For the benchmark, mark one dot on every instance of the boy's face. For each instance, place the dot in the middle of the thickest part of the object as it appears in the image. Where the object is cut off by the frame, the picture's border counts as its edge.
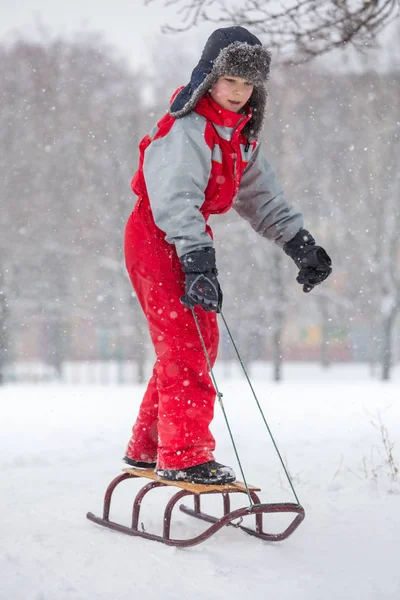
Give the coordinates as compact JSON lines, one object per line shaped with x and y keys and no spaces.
{"x":231,"y":93}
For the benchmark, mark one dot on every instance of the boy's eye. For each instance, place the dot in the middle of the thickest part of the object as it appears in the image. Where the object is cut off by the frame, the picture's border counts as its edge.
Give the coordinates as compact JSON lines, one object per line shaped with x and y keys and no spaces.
{"x":230,"y":80}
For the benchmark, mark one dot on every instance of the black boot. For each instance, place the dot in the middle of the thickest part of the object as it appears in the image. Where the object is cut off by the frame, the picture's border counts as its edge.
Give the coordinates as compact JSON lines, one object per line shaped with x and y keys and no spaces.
{"x":138,"y":464}
{"x":209,"y":473}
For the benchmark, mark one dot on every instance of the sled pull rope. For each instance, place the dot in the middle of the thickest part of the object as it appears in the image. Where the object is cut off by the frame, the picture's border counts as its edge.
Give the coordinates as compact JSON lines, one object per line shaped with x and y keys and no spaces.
{"x":219,"y":396}
{"x":259,"y":408}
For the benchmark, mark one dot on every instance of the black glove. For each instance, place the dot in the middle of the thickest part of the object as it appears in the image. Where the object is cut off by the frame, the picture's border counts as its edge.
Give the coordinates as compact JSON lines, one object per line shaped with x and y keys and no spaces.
{"x":313,"y":262}
{"x":202,"y":285}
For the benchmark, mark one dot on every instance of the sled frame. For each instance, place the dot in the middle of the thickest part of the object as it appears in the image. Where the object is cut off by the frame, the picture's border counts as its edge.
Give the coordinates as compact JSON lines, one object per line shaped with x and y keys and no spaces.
{"x":188,"y":489}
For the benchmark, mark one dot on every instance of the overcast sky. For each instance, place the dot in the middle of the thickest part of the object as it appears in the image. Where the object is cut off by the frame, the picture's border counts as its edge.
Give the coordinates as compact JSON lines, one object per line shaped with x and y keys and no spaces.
{"x":128,"y":24}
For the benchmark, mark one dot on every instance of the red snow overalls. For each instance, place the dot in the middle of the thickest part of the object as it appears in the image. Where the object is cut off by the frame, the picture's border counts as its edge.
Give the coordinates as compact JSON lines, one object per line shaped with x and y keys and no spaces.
{"x":172,"y":426}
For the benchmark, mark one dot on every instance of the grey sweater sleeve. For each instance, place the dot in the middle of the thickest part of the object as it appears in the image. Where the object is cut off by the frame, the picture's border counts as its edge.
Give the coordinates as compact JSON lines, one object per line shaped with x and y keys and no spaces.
{"x":261,"y":202}
{"x":176,"y":169}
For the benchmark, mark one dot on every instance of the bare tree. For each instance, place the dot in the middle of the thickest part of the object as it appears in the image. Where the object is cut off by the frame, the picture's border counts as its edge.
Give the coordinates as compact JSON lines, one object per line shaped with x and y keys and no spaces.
{"x":4,"y":338}
{"x":69,"y":131}
{"x":70,"y":124}
{"x":297,"y":31}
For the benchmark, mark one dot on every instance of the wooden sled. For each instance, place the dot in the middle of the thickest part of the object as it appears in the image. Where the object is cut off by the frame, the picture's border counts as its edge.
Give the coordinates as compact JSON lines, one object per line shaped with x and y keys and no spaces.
{"x":189,"y":489}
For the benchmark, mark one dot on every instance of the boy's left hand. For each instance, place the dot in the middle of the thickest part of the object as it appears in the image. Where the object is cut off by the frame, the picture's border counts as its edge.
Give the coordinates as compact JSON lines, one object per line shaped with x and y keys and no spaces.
{"x":313,"y":261}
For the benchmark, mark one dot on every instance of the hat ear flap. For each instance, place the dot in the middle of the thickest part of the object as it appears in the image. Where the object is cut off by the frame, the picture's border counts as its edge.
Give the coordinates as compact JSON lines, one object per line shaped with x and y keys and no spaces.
{"x":258,"y":104}
{"x":187,"y":98}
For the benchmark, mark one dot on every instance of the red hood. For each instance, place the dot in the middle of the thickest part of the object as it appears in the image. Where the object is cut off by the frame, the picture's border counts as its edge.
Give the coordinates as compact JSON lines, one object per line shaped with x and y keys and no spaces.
{"x":212,"y":111}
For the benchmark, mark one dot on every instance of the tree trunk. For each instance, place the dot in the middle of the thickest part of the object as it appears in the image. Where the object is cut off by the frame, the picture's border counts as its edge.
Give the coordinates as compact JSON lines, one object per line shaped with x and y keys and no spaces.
{"x":387,"y":344}
{"x":4,"y":338}
{"x":278,"y":314}
{"x":57,"y":343}
{"x":277,"y":354}
{"x":141,"y":362}
{"x":324,"y":350}
{"x":140,"y":340}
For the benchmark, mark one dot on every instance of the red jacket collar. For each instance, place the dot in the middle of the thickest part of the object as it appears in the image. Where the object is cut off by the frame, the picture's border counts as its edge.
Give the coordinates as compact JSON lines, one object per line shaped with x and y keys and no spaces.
{"x":212,"y":111}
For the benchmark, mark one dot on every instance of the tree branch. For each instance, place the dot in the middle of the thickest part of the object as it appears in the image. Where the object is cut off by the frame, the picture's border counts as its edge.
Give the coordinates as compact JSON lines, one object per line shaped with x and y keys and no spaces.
{"x":297,"y":32}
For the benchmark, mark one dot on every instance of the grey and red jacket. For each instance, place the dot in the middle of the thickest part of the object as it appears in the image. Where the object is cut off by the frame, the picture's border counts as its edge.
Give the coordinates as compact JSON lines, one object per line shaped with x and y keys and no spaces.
{"x":202,"y":164}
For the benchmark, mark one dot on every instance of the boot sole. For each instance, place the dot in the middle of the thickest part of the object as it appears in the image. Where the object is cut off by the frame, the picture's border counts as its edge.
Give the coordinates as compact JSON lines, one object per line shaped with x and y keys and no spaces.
{"x":195,"y":480}
{"x":137,"y":464}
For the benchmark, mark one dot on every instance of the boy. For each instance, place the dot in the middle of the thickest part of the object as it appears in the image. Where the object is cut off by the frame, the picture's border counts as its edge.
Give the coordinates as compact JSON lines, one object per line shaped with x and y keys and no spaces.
{"x":202,"y":158}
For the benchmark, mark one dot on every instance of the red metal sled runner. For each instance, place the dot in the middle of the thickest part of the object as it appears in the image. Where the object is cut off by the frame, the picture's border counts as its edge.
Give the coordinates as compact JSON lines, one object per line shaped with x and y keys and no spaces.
{"x":189,"y":489}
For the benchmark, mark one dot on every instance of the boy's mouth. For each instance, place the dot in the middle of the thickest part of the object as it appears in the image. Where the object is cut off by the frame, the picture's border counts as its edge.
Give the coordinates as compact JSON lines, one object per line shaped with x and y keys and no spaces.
{"x":235,"y":102}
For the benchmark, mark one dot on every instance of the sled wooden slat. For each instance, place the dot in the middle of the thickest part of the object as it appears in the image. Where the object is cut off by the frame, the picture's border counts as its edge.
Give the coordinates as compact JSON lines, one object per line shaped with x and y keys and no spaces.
{"x":194,"y":488}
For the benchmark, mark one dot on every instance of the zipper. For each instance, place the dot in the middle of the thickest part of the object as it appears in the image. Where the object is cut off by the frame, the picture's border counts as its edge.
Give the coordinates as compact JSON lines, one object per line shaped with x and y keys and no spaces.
{"x":235,"y":188}
{"x":235,"y":174}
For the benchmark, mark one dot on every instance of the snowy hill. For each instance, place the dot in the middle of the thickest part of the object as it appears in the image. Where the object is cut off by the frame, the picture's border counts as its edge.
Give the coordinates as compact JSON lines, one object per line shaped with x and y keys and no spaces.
{"x":61,"y":446}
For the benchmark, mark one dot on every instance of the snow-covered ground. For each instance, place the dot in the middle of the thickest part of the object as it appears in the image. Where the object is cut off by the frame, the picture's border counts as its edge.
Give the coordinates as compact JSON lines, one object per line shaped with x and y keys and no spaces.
{"x":61,"y":446}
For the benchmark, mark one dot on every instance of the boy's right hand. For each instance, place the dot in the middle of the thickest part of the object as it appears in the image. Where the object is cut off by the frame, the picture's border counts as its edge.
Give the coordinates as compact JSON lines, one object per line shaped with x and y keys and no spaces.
{"x":202,"y":287}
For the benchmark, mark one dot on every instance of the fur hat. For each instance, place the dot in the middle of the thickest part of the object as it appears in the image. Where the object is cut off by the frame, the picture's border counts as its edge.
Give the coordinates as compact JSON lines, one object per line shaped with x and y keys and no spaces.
{"x":229,"y":51}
